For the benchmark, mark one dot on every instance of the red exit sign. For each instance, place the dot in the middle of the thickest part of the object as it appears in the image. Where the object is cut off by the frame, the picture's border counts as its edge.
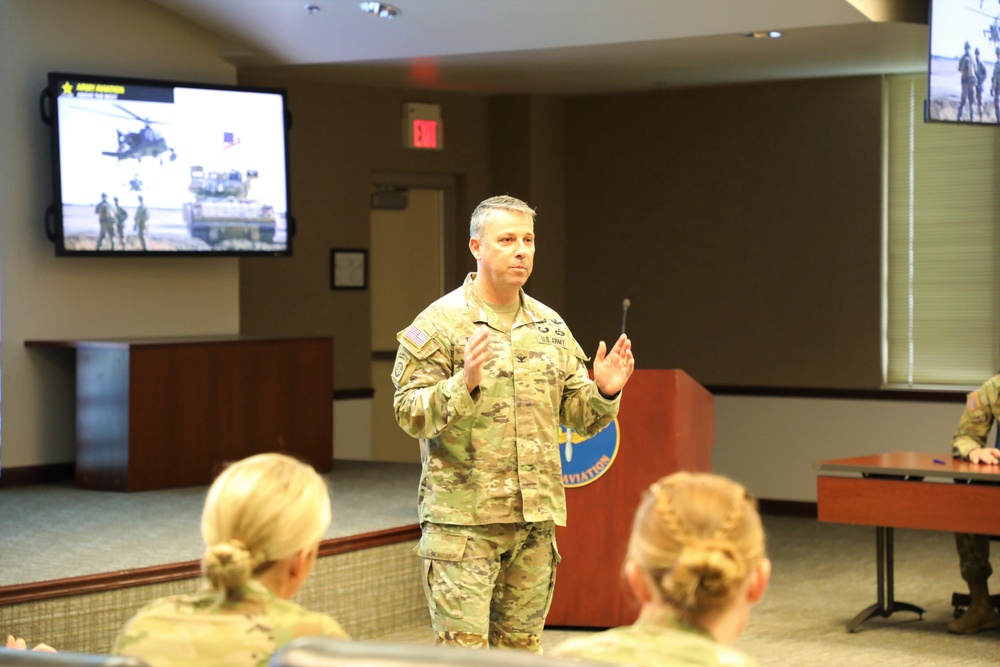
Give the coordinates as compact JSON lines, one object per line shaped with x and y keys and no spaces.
{"x":425,"y":134}
{"x":423,"y":128}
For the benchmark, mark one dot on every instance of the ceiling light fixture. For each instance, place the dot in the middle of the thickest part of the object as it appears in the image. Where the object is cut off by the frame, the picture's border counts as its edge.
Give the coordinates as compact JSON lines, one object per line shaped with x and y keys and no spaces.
{"x":312,"y":10}
{"x":763,"y":34}
{"x":380,"y":9}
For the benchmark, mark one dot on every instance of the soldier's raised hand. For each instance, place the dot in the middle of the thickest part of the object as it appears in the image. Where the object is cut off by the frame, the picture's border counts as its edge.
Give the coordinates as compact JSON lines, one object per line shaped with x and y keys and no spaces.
{"x":613,"y":369}
{"x":477,"y":352}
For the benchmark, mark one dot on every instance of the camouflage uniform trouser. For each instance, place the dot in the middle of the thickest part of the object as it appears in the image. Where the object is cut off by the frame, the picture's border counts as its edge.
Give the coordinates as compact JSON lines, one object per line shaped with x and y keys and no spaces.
{"x":489,"y":585}
{"x":973,"y":556}
{"x":968,"y":94}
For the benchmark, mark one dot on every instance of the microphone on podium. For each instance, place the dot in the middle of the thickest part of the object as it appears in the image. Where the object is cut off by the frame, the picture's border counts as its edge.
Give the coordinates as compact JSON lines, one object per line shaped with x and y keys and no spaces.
{"x":625,"y":304}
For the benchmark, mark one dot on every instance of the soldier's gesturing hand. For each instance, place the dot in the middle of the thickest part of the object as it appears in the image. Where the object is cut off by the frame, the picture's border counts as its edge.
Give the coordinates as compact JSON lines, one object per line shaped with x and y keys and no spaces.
{"x":477,"y":352}
{"x":613,"y":369}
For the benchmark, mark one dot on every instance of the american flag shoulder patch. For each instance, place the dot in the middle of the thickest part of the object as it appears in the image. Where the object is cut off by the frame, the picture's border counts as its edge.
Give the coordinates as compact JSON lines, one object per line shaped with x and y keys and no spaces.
{"x":972,"y":401}
{"x":416,"y":336}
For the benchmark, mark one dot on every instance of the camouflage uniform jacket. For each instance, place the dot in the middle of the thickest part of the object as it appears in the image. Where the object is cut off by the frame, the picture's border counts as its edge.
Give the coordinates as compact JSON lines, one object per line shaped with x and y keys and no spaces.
{"x":967,"y":68}
{"x":195,"y":631}
{"x":105,"y":212}
{"x":981,"y":409}
{"x":493,"y":457}
{"x":651,"y":645}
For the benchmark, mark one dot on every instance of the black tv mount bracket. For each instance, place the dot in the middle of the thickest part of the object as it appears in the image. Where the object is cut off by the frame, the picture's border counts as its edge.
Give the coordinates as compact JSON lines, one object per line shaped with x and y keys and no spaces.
{"x":45,"y":102}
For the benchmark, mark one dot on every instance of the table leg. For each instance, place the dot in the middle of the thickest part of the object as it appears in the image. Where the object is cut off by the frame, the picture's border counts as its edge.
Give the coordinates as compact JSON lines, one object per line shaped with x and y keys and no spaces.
{"x":886,"y":604}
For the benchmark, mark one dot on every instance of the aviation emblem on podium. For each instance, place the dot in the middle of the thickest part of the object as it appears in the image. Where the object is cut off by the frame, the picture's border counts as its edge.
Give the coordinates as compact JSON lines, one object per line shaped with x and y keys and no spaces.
{"x":584,"y":460}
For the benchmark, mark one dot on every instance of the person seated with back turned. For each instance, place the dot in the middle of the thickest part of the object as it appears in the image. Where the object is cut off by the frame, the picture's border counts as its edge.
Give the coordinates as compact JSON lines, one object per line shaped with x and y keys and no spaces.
{"x":696,"y":562}
{"x":262,"y":523}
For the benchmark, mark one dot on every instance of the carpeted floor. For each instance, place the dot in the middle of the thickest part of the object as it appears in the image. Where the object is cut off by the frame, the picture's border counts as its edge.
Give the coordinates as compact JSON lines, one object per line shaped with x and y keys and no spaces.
{"x":57,"y":531}
{"x":824,"y":574}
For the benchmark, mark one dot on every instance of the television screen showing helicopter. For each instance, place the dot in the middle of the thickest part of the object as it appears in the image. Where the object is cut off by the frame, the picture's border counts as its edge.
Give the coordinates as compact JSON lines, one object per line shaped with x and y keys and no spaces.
{"x":963,"y":82}
{"x":144,"y":167}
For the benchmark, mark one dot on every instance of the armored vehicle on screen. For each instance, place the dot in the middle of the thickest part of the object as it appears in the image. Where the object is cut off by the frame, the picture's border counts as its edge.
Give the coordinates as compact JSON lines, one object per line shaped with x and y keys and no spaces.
{"x":221,"y":209}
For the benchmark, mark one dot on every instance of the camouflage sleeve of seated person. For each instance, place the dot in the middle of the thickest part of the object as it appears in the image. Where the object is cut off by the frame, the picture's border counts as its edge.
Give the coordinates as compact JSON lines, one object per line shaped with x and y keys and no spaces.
{"x":981,"y":408}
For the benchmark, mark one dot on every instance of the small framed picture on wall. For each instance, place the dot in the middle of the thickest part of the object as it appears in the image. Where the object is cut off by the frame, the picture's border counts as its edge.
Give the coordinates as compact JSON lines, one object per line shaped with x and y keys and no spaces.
{"x":349,"y":268}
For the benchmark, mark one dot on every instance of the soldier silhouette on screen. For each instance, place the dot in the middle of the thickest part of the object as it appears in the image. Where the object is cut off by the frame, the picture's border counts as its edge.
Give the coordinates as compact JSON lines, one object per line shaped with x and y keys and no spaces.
{"x":995,"y":88}
{"x":120,"y":216}
{"x":980,"y":80}
{"x":141,"y":216}
{"x":967,"y":70}
{"x":106,"y":218}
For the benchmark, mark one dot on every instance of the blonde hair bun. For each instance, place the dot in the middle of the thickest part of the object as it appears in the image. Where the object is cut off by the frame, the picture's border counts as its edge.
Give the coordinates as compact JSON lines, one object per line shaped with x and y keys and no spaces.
{"x":697,"y":537}
{"x":228,"y":565}
{"x":258,"y":511}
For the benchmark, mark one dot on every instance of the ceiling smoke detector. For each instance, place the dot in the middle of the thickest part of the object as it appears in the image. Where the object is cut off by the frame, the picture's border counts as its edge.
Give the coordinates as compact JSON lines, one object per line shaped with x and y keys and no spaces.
{"x":380,"y":9}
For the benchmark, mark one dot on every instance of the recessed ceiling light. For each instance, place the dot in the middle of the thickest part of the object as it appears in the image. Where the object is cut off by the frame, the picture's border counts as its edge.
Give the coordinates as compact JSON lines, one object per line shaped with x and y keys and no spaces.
{"x":763,"y":34}
{"x":380,"y":9}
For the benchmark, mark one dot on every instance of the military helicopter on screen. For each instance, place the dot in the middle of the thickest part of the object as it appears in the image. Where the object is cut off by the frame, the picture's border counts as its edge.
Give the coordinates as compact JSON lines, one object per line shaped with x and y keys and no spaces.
{"x":993,"y":32}
{"x":146,"y":142}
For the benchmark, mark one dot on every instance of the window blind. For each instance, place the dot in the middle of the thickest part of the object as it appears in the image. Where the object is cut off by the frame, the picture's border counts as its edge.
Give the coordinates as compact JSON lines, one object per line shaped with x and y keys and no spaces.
{"x":941,"y":257}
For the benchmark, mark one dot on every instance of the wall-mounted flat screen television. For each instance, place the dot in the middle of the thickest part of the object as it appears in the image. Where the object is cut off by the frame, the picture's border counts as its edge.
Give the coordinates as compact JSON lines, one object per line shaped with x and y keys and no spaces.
{"x":964,"y":43}
{"x":147,"y":167}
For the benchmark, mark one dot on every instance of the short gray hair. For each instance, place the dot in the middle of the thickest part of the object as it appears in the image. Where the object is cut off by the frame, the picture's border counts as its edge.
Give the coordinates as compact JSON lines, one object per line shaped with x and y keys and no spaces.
{"x":498,"y":203}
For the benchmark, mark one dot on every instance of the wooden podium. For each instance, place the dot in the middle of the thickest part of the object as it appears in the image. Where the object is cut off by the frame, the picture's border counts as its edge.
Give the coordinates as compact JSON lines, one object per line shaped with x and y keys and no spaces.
{"x":666,"y":423}
{"x":162,"y":413}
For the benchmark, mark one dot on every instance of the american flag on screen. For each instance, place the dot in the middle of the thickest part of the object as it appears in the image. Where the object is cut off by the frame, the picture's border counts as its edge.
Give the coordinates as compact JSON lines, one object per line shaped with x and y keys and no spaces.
{"x":229,"y":139}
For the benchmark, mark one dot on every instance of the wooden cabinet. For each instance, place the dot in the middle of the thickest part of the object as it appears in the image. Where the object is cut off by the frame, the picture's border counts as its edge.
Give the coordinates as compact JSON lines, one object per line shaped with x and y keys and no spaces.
{"x":162,"y":413}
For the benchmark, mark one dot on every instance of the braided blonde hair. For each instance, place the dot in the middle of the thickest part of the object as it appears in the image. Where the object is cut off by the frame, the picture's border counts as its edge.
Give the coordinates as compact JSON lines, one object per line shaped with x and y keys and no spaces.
{"x":262,"y":509}
{"x":697,"y":537}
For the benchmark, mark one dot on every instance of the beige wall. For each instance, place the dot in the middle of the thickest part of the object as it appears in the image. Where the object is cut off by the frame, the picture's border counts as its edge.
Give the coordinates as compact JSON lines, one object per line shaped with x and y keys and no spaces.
{"x":743,"y":222}
{"x":45,"y":297}
{"x":341,"y":139}
{"x":773,"y":445}
{"x":527,"y":134}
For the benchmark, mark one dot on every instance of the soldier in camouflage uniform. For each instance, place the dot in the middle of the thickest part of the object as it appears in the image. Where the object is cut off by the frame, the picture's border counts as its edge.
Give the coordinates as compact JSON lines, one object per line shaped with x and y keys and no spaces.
{"x":981,"y":409}
{"x":483,"y":377}
{"x":980,"y":80}
{"x":263,"y":519}
{"x":141,"y":216}
{"x":967,"y":72}
{"x":106,"y":218}
{"x":697,"y":564}
{"x":995,"y":87}
{"x":120,"y":216}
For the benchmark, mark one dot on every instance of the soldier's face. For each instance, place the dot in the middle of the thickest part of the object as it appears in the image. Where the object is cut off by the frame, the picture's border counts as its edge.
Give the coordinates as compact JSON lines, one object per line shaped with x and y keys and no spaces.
{"x":505,"y":254}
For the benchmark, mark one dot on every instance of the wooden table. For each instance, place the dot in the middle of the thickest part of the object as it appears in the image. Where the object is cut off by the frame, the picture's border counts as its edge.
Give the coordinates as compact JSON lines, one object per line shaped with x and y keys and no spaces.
{"x":162,"y":413}
{"x":905,"y":490}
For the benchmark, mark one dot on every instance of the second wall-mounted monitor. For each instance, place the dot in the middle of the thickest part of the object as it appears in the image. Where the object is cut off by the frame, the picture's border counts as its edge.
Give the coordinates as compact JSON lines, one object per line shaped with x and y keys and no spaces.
{"x":964,"y":39}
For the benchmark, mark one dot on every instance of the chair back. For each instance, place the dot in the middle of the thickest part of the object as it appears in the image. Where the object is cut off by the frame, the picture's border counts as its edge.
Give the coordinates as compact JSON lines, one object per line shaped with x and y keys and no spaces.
{"x":329,"y":652}
{"x":12,"y":658}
